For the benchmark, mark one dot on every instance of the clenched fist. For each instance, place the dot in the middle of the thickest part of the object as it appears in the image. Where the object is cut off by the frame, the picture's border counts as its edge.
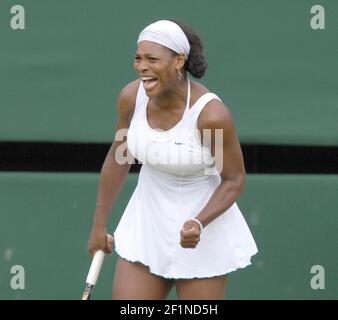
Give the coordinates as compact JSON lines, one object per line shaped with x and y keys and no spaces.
{"x":190,"y":234}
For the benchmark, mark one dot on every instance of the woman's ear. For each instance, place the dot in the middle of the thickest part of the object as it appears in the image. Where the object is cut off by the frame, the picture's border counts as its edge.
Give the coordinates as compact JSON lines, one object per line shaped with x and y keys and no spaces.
{"x":180,"y":60}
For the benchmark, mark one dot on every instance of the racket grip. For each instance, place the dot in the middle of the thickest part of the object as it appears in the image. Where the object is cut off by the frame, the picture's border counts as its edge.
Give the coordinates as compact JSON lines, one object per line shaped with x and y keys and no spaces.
{"x":95,"y":268}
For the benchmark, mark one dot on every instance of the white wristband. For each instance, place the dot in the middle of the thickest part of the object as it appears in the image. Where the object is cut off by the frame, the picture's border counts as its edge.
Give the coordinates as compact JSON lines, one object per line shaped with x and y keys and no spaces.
{"x":199,"y":223}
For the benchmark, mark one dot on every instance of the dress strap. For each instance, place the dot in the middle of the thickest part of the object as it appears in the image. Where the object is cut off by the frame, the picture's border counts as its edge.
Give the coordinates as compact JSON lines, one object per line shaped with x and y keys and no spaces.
{"x":141,"y":96}
{"x":141,"y":101}
{"x":201,"y":102}
{"x":187,"y":105}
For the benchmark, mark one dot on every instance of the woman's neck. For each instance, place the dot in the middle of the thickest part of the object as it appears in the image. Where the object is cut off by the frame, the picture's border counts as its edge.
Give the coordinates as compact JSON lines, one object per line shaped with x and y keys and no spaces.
{"x":176,"y":97}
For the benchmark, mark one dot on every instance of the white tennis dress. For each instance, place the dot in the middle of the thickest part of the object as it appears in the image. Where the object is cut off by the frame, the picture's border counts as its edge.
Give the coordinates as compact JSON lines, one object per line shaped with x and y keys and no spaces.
{"x":176,"y":180}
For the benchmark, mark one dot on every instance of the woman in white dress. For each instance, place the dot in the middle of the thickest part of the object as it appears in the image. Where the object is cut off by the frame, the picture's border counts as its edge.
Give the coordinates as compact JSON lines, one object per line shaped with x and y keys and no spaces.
{"x":182,"y":226}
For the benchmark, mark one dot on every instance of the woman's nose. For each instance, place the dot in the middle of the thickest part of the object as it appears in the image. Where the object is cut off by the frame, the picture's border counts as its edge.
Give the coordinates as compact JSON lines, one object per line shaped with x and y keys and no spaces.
{"x":141,"y":66}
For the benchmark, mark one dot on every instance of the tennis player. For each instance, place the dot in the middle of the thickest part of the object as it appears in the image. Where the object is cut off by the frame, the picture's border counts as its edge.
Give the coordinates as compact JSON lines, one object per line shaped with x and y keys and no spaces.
{"x":182,"y":226}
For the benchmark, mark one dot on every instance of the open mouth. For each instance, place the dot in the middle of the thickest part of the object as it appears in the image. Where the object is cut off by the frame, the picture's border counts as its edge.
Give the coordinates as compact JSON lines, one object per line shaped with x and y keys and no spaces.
{"x":149,"y":82}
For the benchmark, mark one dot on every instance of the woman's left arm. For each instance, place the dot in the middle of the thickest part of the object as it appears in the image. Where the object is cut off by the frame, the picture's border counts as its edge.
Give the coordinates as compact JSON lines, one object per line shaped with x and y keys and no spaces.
{"x":226,"y":150}
{"x":218,"y":133}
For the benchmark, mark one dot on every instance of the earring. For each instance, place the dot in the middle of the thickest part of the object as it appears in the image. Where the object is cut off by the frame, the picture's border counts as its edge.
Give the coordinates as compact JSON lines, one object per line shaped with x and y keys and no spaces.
{"x":179,"y":74}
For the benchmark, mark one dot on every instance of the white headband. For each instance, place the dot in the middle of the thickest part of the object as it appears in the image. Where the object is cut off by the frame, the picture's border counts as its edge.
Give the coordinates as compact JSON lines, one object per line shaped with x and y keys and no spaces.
{"x":168,"y":34}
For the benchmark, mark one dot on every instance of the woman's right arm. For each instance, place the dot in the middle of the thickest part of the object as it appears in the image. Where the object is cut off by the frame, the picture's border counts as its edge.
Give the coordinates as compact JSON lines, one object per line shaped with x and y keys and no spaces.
{"x":112,"y":174}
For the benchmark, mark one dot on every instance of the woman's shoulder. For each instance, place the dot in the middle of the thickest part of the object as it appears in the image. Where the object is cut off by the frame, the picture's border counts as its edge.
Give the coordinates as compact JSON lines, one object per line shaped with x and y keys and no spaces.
{"x":126,"y":99}
{"x":197,"y":90}
{"x":213,"y":107}
{"x":129,"y":92}
{"x":215,"y":113}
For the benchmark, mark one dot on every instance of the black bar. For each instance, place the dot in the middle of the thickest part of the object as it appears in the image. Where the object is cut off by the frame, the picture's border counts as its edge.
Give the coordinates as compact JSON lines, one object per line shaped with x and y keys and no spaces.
{"x":89,"y":157}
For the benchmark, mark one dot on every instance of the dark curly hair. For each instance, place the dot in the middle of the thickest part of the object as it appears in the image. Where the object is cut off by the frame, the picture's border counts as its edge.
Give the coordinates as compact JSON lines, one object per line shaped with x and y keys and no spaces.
{"x":196,"y":64}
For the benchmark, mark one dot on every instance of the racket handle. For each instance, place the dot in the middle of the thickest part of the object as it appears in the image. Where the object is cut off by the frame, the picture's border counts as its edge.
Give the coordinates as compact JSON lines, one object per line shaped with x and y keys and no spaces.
{"x":94,"y":271}
{"x":95,"y":268}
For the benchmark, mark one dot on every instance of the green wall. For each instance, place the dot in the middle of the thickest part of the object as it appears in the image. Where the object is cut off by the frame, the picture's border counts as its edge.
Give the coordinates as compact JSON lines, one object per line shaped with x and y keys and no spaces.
{"x":60,"y":76}
{"x":59,"y":79}
{"x":46,"y":218}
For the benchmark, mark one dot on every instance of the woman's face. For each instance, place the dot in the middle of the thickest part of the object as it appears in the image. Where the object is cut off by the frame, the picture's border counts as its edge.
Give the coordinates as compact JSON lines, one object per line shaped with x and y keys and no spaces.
{"x":156,"y":66}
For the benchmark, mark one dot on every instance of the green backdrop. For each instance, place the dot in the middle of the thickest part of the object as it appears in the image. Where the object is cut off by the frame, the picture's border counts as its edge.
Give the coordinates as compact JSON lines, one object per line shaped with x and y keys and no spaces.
{"x":59,"y":79}
{"x":60,"y":76}
{"x":46,"y":218}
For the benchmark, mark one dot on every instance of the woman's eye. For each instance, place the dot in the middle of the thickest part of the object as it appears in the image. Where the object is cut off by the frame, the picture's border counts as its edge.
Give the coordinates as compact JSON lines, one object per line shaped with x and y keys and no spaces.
{"x":152,"y":59}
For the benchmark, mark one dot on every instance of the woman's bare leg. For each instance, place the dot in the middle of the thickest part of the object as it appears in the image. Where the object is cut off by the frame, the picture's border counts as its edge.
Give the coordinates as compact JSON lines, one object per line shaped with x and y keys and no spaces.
{"x":133,"y":281}
{"x":201,"y":288}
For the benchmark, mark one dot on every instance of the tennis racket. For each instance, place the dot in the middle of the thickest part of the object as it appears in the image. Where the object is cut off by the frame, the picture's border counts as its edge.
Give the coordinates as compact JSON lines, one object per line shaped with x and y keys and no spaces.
{"x":93,"y":273}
